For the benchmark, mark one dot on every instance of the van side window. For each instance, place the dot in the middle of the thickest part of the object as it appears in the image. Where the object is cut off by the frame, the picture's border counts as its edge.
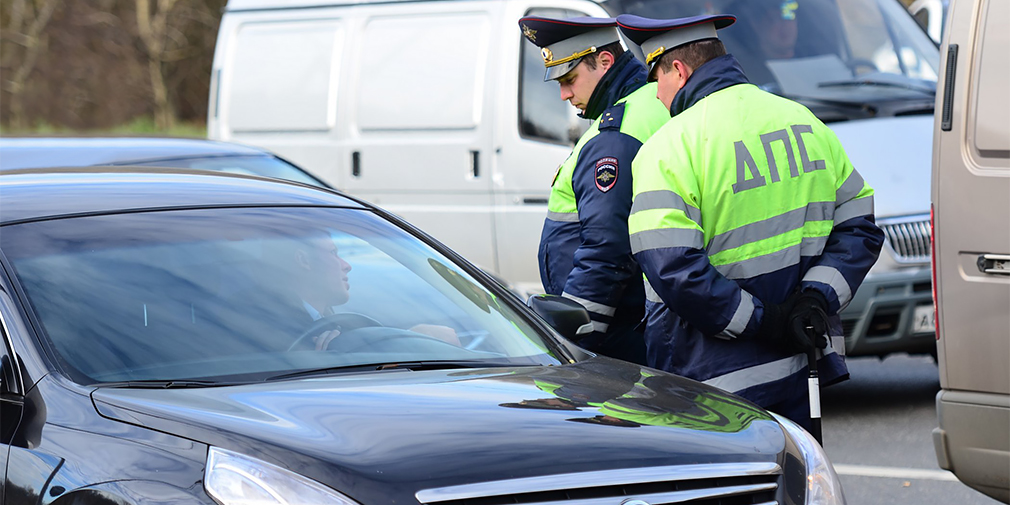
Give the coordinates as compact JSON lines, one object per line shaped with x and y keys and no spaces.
{"x":542,"y":113}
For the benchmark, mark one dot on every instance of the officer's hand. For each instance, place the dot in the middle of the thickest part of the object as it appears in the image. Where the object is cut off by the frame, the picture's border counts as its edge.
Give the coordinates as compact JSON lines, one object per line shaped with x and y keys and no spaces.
{"x":443,"y":333}
{"x":323,"y":339}
{"x":808,"y":322}
{"x":773,"y":322}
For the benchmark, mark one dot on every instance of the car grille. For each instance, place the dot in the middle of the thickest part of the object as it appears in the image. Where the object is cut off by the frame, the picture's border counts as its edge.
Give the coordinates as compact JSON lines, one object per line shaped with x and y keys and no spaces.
{"x":908,"y":238}
{"x":709,"y":484}
{"x":849,"y":326}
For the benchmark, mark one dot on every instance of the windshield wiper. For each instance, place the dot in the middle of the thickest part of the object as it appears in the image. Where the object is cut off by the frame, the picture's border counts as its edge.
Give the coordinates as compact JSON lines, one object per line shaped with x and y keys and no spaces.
{"x":875,"y":82}
{"x":394,"y":365}
{"x":165,"y":384}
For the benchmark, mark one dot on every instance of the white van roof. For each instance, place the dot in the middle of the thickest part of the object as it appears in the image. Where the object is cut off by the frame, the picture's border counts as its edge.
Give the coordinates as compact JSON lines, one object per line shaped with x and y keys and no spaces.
{"x":245,"y":5}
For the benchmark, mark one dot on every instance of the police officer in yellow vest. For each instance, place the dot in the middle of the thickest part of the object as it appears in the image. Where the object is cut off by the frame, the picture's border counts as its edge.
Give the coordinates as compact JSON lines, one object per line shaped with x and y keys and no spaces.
{"x":584,"y":250}
{"x":751,"y":225}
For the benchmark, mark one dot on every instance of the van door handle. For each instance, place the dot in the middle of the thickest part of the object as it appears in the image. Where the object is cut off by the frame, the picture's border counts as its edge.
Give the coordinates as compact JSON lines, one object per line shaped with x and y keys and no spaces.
{"x":947,"y":110}
{"x":996,"y":264}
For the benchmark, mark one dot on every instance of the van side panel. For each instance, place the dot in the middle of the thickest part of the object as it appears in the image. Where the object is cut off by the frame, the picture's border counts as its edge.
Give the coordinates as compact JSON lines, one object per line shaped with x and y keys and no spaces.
{"x":275,"y":84}
{"x":290,"y":94}
{"x":971,"y":204}
{"x":417,"y":91}
{"x":402,"y":48}
{"x":991,"y":105}
{"x":407,"y":130}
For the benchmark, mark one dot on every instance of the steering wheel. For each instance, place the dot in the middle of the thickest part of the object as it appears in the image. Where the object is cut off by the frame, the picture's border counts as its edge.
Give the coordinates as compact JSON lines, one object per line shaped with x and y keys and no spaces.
{"x":345,"y":321}
{"x":387,"y":340}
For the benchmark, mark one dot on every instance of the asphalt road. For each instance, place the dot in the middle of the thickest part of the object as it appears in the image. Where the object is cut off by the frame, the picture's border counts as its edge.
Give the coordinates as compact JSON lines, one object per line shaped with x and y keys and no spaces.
{"x":877,"y":431}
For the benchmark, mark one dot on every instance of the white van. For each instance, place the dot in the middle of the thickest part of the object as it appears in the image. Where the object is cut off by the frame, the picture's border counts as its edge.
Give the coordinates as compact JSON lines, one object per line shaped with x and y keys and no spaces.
{"x":437,"y":111}
{"x":971,"y":212}
{"x":414,"y":106}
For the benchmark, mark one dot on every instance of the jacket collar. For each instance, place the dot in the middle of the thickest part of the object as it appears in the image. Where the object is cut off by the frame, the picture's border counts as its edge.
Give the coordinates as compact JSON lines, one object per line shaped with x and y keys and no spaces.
{"x":623,"y":78}
{"x":713,"y":75}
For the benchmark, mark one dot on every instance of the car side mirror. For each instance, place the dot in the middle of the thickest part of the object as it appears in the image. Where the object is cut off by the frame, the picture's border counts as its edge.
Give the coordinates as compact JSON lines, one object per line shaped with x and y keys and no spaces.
{"x":566,"y":316}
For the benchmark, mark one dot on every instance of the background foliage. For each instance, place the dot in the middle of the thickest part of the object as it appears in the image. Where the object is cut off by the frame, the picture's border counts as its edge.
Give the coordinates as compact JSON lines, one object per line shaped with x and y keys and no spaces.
{"x":139,"y":66}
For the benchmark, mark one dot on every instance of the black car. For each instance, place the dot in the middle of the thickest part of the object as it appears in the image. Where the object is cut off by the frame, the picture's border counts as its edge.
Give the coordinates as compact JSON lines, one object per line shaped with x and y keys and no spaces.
{"x":184,"y":337}
{"x":195,"y":154}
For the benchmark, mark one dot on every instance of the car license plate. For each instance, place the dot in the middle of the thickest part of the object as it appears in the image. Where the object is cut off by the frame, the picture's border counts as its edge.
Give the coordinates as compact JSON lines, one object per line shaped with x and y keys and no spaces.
{"x":924,"y":320}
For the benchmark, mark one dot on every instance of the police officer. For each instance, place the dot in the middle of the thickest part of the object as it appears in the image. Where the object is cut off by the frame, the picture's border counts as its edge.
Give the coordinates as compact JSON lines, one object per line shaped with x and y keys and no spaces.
{"x":751,"y":225}
{"x":584,"y":251}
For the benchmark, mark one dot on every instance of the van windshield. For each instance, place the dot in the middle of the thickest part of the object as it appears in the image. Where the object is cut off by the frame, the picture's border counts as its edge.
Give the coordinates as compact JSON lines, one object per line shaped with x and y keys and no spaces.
{"x":818,"y":51}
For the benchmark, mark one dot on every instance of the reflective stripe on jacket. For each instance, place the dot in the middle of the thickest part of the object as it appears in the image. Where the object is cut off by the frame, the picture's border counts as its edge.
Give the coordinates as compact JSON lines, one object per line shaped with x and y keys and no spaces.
{"x":739,"y":199}
{"x":584,"y":250}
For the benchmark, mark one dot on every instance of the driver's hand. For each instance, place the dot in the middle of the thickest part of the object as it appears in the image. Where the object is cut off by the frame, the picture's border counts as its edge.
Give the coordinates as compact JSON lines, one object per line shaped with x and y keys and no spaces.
{"x":323,"y":339}
{"x":443,"y":333}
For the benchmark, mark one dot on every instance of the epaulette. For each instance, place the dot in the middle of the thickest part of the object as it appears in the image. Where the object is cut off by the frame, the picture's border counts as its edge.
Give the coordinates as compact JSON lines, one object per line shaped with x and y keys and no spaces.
{"x":612,"y":117}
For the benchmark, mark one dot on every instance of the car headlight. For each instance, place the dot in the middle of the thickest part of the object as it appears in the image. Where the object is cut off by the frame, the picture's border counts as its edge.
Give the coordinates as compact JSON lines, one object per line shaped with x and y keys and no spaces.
{"x":823,"y":487}
{"x":235,"y":479}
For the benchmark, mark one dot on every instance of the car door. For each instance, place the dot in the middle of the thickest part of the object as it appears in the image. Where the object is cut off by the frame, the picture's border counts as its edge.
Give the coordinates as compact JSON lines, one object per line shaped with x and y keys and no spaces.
{"x":971,"y":191}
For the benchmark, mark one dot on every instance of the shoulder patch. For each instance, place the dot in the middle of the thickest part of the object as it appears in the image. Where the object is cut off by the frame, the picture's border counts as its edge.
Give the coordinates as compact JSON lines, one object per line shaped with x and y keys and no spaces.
{"x":612,"y":117}
{"x":556,"y":174}
{"x":606,"y":173}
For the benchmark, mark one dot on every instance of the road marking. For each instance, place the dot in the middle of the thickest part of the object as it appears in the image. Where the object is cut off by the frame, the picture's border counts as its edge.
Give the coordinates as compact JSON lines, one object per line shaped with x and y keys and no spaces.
{"x":890,"y":472}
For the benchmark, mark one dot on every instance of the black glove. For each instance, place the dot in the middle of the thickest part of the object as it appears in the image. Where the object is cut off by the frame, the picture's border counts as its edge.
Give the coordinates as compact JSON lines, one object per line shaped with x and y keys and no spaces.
{"x":774,"y":321}
{"x":807,"y":323}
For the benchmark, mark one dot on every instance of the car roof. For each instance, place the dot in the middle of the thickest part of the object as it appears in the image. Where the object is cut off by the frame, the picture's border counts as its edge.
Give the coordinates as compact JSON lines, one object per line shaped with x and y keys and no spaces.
{"x":39,"y":152}
{"x":34,"y":194}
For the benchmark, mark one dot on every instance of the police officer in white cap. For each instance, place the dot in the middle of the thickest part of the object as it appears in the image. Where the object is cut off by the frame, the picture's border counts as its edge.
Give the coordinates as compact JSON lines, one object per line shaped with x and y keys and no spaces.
{"x":751,"y":225}
{"x":584,"y":250}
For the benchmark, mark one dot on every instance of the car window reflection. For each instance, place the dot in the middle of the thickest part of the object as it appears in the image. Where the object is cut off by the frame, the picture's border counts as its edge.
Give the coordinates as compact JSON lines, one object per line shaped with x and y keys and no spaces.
{"x":228,"y":293}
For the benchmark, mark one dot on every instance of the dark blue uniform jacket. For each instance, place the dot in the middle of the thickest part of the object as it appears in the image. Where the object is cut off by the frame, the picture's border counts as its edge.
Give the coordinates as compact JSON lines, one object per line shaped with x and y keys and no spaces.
{"x":591,"y":259}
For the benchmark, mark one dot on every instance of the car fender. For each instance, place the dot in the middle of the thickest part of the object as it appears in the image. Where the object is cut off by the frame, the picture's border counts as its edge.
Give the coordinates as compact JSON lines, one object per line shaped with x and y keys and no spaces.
{"x":133,"y":492}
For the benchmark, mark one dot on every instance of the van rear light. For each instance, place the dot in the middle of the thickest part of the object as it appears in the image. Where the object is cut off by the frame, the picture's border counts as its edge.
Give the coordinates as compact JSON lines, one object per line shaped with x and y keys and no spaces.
{"x":932,"y":265}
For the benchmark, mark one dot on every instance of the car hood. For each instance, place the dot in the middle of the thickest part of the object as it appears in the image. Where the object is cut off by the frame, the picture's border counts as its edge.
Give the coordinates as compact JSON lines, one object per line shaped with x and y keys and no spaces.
{"x":894,"y":155}
{"x":392,"y":433}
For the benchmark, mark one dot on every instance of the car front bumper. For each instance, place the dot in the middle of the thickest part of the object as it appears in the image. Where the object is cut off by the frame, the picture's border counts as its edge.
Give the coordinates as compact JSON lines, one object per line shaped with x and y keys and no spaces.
{"x":879,"y":320}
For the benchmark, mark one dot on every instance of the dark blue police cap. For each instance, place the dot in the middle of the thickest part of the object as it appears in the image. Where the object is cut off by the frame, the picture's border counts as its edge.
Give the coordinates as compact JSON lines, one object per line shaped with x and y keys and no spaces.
{"x":563,"y":42}
{"x":657,"y":36}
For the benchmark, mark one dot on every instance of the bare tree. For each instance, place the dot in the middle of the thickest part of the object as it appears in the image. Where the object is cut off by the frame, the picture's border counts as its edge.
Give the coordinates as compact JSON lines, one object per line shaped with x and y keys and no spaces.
{"x":96,"y":64}
{"x":193,"y":26}
{"x":153,"y":29}
{"x":23,"y":39}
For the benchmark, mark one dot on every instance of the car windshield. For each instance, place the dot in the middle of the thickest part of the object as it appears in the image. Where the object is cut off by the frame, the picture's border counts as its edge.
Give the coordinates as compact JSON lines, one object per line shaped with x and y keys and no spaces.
{"x":835,"y":51}
{"x":263,"y":166}
{"x":246,"y":294}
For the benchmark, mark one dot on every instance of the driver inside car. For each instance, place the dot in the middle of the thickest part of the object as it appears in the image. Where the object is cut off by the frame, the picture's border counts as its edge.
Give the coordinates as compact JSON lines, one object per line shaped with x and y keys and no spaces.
{"x":322,"y":285}
{"x":768,"y":32}
{"x":775,"y":20}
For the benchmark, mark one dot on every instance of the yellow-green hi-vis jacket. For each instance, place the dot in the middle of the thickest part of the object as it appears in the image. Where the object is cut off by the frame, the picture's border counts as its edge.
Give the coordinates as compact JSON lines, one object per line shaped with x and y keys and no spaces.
{"x":584,"y":251}
{"x":739,"y":200}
